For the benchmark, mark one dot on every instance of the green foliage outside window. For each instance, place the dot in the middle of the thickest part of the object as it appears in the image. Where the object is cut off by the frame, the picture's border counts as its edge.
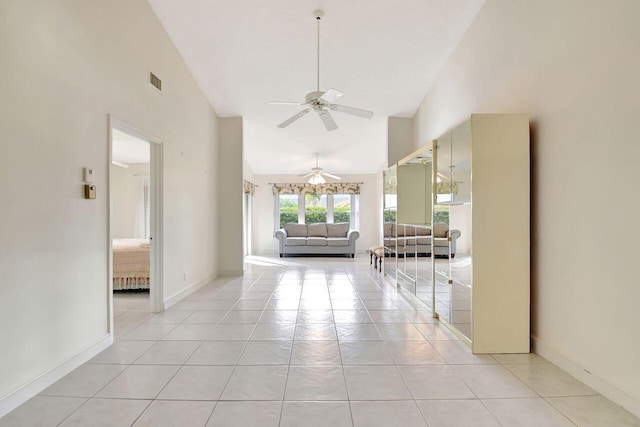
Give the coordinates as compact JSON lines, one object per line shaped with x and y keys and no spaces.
{"x":389,"y":216}
{"x":288,"y":217}
{"x":441,"y":216}
{"x":341,"y":216}
{"x":312,"y":200}
{"x":315,"y":214}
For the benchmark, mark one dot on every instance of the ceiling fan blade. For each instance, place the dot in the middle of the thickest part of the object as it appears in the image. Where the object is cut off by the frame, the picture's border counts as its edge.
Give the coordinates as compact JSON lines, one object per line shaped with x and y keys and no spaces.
{"x":328,"y":121}
{"x":353,"y":111}
{"x":285,"y":103}
{"x":309,"y":174}
{"x":331,"y":95}
{"x":293,"y":118}
{"x":330,"y":175}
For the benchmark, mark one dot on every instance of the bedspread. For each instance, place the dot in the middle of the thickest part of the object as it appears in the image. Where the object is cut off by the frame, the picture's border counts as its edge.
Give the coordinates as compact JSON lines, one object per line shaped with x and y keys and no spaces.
{"x":131,"y":264}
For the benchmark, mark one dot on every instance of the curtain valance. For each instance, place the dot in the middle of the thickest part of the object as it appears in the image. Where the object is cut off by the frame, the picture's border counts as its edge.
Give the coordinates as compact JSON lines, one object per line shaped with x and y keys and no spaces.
{"x":305,"y":188}
{"x":447,"y":187}
{"x":249,"y":187}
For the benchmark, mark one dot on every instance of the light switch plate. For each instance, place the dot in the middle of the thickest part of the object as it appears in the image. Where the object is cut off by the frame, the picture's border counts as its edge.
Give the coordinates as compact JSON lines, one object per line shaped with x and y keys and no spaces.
{"x":89,"y":191}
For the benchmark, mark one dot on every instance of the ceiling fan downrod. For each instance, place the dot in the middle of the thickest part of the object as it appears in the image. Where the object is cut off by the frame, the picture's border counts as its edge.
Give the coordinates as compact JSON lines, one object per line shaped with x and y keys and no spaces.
{"x":318,"y":14}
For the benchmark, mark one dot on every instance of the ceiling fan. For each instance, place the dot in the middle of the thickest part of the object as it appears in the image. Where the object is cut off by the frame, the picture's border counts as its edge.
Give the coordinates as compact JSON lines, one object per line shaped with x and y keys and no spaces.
{"x":319,"y":101}
{"x":317,"y":176}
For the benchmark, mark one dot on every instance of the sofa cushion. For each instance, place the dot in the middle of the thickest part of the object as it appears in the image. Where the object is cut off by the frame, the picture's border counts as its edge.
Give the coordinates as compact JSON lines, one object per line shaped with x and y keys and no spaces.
{"x":409,"y":230}
{"x":423,"y":240}
{"x":440,"y":229}
{"x":441,"y":242}
{"x":296,"y":230}
{"x":422,"y":231}
{"x":338,"y":230}
{"x":337,"y":241}
{"x":388,"y":229}
{"x":296,"y":241}
{"x":317,"y":230}
{"x":316,"y":241}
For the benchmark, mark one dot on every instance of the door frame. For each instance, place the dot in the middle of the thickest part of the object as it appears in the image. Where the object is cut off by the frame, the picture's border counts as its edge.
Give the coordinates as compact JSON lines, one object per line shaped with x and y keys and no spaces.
{"x":156,"y":301}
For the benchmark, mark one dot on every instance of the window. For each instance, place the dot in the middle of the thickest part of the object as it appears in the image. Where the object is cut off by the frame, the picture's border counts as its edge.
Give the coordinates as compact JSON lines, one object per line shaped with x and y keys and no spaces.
{"x":288,"y":209}
{"x":440,"y":214}
{"x":390,"y":207}
{"x":143,"y":229}
{"x":314,"y":208}
{"x":342,"y":208}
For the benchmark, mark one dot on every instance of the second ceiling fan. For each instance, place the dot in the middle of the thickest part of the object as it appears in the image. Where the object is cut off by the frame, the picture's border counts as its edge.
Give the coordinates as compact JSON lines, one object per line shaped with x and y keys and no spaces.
{"x":322,"y":102}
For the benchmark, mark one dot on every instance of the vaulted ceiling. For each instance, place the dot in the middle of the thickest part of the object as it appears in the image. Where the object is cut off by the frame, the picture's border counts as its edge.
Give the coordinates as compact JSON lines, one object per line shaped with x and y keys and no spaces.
{"x":384,"y":55}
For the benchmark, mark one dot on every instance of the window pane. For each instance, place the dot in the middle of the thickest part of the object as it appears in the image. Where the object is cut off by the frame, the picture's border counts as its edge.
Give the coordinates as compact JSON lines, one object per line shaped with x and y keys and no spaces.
{"x":441,"y":214}
{"x":288,"y":205}
{"x":311,"y":217}
{"x":341,"y":216}
{"x":341,"y":207}
{"x":389,"y":215}
{"x":288,"y":217}
{"x":315,"y":208}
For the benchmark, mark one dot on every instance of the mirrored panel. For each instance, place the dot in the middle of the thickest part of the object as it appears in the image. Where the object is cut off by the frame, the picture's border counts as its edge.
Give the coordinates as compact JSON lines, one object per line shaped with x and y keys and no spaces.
{"x":390,"y":210}
{"x":460,"y":229}
{"x":414,"y":223}
{"x":440,"y":229}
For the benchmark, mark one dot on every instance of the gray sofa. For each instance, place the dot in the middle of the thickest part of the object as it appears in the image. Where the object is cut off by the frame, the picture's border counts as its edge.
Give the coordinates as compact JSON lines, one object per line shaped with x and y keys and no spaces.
{"x":411,"y":240}
{"x":317,"y":239}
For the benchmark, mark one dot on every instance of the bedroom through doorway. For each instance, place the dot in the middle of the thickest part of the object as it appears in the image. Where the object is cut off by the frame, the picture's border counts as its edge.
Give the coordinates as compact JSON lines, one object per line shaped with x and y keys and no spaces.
{"x":134,"y":222}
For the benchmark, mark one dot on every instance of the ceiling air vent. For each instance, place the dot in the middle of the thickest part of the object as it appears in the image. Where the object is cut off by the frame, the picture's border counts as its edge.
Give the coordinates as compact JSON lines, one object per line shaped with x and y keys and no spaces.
{"x":155,"y":81}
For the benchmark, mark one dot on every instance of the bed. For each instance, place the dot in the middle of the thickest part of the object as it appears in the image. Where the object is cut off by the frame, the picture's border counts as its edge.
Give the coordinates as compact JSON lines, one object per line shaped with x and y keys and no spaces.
{"x":131,"y":263}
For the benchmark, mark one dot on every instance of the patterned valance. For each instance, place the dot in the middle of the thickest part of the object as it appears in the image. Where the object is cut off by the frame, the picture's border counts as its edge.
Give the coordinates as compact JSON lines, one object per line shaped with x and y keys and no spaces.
{"x":329,"y":188}
{"x":249,"y":187}
{"x":447,"y":187}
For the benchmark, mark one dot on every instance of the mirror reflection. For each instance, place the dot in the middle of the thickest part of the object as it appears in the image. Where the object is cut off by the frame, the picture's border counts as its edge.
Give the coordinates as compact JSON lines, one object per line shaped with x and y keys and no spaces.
{"x":460,"y":219}
{"x":427,"y":226}
{"x":390,"y":184}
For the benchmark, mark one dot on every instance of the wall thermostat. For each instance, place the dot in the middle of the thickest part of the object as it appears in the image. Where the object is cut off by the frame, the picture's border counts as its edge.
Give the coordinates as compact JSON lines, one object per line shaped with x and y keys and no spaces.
{"x":88,"y":174}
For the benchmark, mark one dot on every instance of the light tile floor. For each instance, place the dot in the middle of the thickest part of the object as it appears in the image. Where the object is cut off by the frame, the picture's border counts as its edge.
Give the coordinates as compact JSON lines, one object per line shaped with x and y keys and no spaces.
{"x":306,"y":342}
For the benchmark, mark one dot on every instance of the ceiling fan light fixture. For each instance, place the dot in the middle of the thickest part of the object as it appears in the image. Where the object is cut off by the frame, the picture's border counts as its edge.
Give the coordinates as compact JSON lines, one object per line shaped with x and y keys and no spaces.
{"x":317,"y":179}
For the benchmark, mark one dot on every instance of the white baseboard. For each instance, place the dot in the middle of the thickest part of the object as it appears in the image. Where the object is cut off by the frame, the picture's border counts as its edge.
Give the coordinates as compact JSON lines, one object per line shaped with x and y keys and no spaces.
{"x":16,"y":398}
{"x":173,"y":300}
{"x":603,"y":387}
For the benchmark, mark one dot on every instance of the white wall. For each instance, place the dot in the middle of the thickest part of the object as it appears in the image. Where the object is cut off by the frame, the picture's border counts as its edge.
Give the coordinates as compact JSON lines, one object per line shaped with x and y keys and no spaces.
{"x":125,"y":200}
{"x":230,"y":174}
{"x":574,"y":66}
{"x":399,"y":139}
{"x":264,"y":241}
{"x":66,"y":65}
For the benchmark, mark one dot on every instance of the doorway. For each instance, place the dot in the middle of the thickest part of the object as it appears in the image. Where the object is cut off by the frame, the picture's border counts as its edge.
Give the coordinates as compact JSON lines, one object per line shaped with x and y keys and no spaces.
{"x":135,"y":223}
{"x":246,"y":224}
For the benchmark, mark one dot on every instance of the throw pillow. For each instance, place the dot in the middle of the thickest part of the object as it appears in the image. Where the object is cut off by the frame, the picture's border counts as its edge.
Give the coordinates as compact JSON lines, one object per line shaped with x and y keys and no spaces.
{"x":338,"y":230}
{"x":440,"y":229}
{"x":423,"y":231}
{"x":296,"y":230}
{"x":317,"y":230}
